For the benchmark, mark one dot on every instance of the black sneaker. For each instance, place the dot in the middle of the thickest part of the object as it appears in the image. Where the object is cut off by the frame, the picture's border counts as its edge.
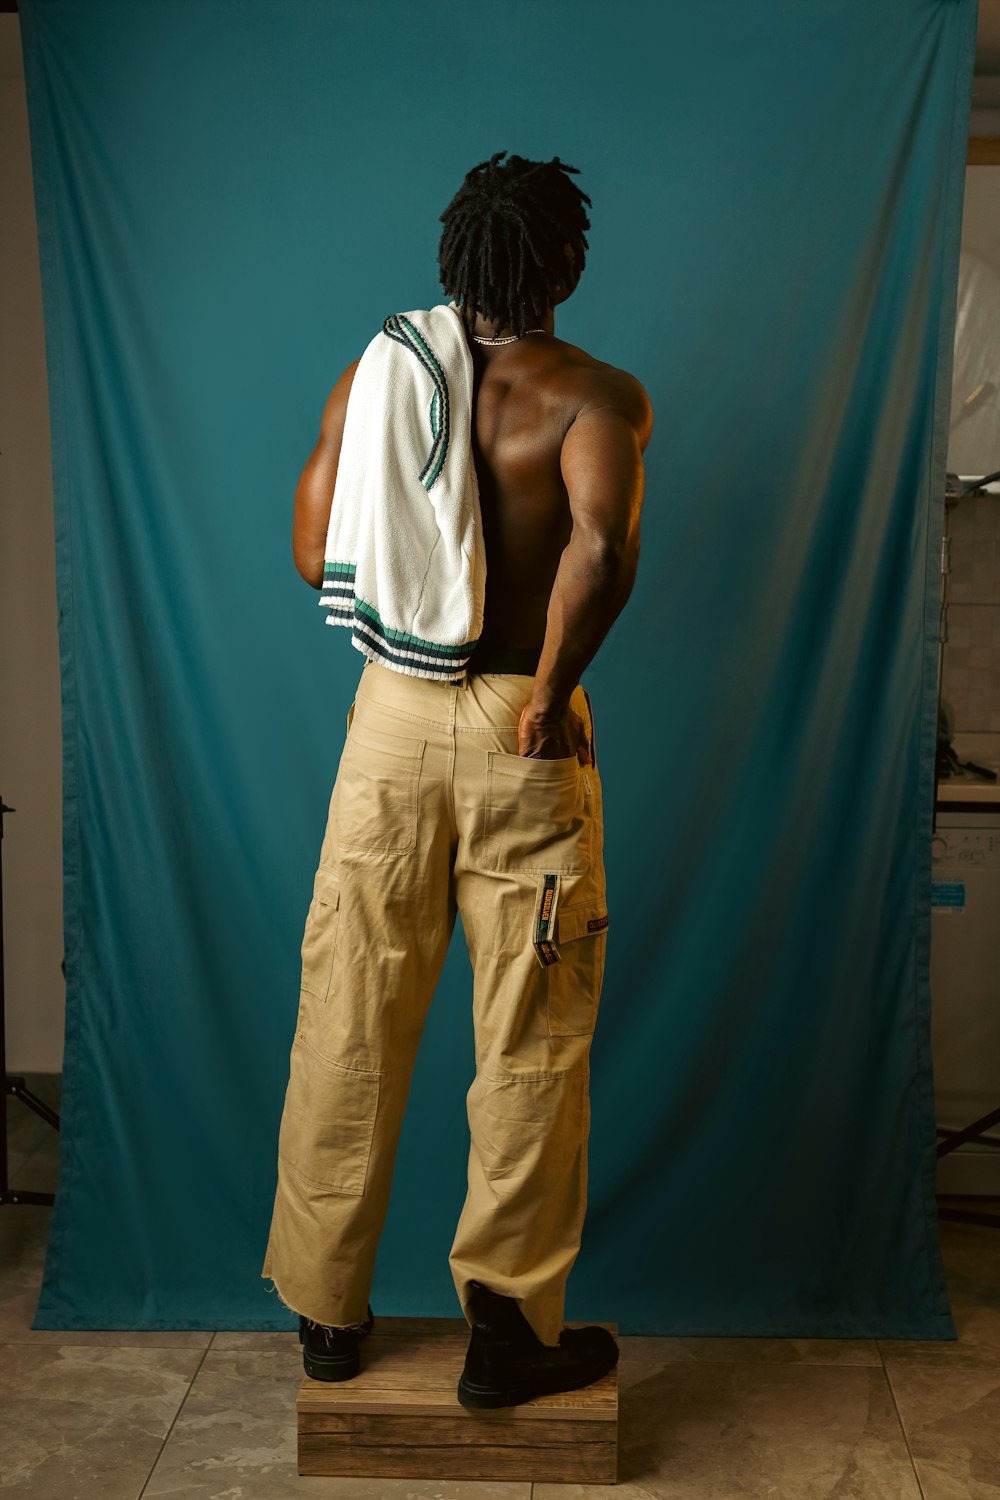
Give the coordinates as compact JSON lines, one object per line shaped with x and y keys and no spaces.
{"x":332,"y":1353}
{"x":508,"y":1364}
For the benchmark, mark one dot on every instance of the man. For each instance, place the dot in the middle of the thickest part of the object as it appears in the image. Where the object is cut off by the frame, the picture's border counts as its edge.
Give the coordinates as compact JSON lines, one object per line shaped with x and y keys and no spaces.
{"x":481,"y":797}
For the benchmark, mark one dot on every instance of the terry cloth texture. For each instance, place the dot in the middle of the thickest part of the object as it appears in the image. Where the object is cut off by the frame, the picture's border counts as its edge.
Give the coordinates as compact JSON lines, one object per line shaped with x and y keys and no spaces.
{"x":405,"y":563}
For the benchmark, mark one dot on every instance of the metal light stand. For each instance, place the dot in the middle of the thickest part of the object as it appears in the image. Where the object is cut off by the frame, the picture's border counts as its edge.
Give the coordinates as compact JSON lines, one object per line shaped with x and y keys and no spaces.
{"x":12,"y":1085}
{"x":951,"y":1140}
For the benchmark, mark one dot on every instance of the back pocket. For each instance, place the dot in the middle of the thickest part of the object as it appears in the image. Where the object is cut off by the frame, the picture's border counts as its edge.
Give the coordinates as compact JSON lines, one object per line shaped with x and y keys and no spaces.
{"x":376,"y":792}
{"x":534,"y":817}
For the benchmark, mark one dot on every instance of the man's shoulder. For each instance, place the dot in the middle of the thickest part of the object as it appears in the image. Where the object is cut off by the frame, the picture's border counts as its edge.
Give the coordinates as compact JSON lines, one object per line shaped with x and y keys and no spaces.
{"x":594,"y":384}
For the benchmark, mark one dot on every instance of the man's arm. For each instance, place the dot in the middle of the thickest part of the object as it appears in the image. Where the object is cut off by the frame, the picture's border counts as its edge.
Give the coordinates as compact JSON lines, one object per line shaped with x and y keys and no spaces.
{"x":314,"y":491}
{"x":602,"y":467}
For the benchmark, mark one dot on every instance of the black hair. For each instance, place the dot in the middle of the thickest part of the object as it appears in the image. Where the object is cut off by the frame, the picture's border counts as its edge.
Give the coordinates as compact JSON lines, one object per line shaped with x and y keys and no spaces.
{"x":501,"y":249}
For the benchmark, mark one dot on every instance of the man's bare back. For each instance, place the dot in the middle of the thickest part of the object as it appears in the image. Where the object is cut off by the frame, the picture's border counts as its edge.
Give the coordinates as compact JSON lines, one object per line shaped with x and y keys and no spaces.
{"x":526,"y":396}
{"x":558,"y":438}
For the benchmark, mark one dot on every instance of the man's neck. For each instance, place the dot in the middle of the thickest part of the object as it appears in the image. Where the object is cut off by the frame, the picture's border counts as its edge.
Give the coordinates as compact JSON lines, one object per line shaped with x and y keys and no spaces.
{"x":483,"y":329}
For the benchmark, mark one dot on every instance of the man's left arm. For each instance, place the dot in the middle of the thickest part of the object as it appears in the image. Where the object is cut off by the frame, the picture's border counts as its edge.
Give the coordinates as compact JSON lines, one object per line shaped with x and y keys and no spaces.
{"x":314,"y":491}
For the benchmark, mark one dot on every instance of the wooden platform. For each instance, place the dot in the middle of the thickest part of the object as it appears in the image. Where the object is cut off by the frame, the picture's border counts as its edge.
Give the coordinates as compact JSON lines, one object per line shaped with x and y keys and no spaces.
{"x":401,"y":1418}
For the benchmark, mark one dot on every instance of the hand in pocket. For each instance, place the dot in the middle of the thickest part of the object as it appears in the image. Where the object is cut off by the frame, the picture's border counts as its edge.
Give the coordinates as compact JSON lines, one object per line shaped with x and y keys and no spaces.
{"x":552,"y":736}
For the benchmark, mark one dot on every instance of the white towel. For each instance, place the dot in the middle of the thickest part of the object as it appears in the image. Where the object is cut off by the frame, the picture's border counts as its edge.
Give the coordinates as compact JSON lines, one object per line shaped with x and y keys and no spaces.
{"x":405,"y":562}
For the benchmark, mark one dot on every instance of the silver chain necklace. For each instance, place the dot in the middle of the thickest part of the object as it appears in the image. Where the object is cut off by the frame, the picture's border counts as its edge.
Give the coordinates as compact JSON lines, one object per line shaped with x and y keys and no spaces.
{"x":481,"y":339}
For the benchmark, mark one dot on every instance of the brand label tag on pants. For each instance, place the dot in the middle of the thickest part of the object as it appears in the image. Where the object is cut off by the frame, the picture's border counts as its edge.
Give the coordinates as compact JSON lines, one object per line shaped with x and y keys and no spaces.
{"x":545,"y":920}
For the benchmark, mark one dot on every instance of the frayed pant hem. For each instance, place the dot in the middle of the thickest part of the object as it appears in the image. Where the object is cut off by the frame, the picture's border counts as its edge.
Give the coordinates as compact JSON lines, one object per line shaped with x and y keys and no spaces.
{"x":315,"y":1322}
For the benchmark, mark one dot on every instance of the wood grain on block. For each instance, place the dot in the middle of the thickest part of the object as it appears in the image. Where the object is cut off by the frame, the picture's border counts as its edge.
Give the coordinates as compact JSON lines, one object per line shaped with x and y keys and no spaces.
{"x":400,"y":1417}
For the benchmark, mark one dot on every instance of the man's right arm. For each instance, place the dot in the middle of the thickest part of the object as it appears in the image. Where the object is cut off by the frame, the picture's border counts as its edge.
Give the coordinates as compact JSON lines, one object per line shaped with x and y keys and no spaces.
{"x":602,"y":466}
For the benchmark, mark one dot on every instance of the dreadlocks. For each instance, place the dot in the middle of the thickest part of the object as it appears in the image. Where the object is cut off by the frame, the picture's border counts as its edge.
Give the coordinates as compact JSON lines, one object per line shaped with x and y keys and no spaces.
{"x":501,"y":250}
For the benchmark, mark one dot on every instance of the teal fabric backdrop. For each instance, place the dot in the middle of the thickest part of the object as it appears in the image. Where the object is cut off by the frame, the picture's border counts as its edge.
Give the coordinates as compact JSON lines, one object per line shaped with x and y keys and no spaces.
{"x":231,"y":196}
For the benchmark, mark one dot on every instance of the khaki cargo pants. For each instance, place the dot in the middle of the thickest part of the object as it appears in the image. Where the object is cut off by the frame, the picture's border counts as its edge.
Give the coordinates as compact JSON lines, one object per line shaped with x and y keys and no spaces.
{"x":434,"y":812}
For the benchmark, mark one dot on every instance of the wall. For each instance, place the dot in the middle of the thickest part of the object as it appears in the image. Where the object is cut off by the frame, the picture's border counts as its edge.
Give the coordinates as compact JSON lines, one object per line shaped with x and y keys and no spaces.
{"x":970,"y":690}
{"x":30,"y":717}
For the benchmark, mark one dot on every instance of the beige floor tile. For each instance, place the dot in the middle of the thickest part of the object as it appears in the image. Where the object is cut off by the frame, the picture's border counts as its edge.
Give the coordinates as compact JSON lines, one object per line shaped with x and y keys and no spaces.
{"x":241,"y":1340}
{"x":80,"y":1423}
{"x":236,"y":1437}
{"x":951,"y":1415}
{"x":710,"y":1431}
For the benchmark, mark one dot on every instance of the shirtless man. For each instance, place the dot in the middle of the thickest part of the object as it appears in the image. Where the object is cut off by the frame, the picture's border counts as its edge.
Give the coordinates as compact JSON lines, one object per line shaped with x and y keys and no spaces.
{"x":558,"y":438}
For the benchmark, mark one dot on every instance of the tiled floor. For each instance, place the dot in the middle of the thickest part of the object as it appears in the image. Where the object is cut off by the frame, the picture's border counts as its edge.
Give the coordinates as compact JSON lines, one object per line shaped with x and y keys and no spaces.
{"x":212,"y":1416}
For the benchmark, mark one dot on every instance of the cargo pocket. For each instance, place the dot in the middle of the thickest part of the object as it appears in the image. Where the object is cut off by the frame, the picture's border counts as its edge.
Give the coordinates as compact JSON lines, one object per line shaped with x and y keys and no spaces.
{"x":574,"y":982}
{"x":319,"y":941}
{"x":376,"y":792}
{"x":328,"y":1121}
{"x":534,"y":816}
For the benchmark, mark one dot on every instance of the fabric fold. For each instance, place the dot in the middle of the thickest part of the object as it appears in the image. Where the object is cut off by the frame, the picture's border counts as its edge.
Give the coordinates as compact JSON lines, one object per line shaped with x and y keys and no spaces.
{"x":405,"y":563}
